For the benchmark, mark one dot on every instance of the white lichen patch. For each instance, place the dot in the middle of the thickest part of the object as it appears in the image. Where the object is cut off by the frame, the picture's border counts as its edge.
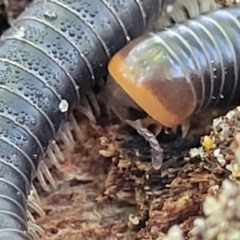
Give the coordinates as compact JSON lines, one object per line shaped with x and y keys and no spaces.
{"x":174,"y":233}
{"x":220,"y":157}
{"x":234,"y":166}
{"x":222,"y":215}
{"x":196,"y":152}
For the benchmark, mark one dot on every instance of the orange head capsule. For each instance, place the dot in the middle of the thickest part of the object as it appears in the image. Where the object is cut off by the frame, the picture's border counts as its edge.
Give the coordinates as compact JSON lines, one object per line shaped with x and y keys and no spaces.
{"x":152,"y":75}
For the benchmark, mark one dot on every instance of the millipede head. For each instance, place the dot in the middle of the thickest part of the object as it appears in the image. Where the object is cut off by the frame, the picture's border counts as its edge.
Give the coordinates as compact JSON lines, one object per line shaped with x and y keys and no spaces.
{"x":155,"y":80}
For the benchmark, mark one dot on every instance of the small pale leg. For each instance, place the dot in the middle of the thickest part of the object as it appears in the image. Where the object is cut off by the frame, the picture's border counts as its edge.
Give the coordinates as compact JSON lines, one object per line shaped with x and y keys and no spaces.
{"x":157,"y":152}
{"x":148,"y":121}
{"x":185,"y":127}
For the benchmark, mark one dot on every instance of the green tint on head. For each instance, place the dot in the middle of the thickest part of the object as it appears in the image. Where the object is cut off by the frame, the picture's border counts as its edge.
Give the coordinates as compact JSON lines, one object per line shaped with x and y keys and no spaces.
{"x":145,"y":59}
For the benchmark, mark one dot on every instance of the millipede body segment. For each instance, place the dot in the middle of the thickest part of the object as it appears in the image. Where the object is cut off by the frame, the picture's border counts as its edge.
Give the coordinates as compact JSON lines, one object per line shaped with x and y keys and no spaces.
{"x":51,"y":57}
{"x":183,"y":70}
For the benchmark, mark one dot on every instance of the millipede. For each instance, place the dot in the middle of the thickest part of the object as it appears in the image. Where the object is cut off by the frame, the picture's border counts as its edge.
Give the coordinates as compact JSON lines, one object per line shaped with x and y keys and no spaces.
{"x":186,"y":70}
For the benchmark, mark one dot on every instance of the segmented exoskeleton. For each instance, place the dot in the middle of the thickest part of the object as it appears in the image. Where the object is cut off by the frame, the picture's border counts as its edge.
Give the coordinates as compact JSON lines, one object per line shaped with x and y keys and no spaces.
{"x":184,"y":70}
{"x":49,"y":59}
